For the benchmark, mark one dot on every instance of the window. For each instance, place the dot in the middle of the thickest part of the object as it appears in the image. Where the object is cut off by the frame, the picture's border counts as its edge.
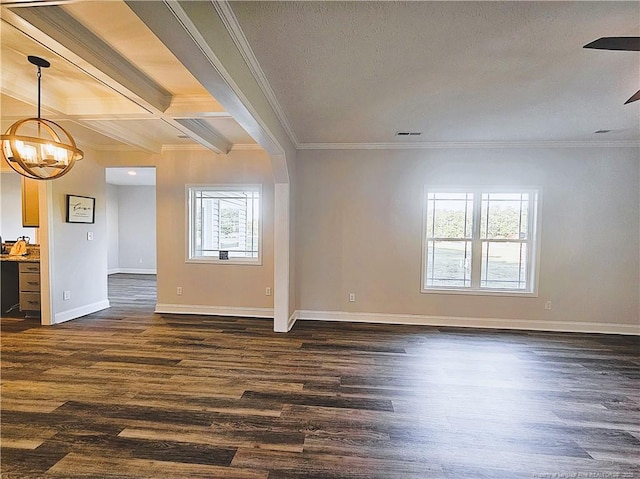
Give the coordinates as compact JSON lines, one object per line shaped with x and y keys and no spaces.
{"x":480,"y":241}
{"x":224,"y":223}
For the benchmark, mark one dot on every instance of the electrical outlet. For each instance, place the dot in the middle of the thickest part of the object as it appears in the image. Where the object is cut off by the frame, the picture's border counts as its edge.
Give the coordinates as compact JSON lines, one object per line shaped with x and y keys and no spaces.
{"x":547,"y":305}
{"x":352,"y":297}
{"x":90,"y":236}
{"x":267,"y":291}
{"x":179,"y":290}
{"x":66,"y":295}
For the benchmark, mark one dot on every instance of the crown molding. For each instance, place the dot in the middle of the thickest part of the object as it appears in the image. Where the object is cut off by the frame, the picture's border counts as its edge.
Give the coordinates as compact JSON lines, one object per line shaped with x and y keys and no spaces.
{"x":445,"y":145}
{"x":246,"y":147}
{"x":229,"y":19}
{"x":237,"y":34}
{"x":189,"y":147}
{"x":198,"y":147}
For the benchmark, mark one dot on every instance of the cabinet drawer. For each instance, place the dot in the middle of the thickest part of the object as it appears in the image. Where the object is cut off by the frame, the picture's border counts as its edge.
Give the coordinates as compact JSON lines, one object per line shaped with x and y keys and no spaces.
{"x":29,"y":281}
{"x":29,"y":267}
{"x":29,"y":301}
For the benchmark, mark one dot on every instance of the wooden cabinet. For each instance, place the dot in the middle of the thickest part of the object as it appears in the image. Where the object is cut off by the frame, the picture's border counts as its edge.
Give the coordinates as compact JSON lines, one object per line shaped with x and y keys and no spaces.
{"x":29,"y":281}
{"x":9,"y":290}
{"x":30,"y":203}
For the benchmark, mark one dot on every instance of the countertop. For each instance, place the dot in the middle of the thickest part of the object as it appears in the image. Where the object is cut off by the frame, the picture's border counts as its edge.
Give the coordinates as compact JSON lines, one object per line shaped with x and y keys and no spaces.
{"x":32,"y":256}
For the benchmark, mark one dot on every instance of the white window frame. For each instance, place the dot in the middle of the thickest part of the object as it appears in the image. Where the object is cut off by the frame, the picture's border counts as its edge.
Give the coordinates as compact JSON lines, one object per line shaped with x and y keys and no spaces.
{"x":533,"y":249}
{"x":190,"y":224}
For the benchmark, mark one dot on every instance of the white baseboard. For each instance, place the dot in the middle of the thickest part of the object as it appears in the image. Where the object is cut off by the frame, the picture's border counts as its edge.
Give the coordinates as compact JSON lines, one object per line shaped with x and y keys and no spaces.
{"x":292,"y":320}
{"x":132,"y":271}
{"x":214,"y":310}
{"x":75,"y":313}
{"x":491,"y":323}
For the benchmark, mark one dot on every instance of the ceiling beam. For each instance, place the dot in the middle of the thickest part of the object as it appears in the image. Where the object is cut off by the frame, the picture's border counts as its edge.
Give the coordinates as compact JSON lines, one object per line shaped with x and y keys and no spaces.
{"x":98,"y":58}
{"x":194,"y":106}
{"x":204,"y":134}
{"x":176,"y":29}
{"x":33,"y":3}
{"x":140,"y":96}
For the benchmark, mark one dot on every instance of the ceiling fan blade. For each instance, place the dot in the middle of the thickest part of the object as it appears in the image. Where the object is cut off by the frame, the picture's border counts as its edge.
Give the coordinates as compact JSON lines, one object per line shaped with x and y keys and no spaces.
{"x":616,"y":43}
{"x":635,"y":97}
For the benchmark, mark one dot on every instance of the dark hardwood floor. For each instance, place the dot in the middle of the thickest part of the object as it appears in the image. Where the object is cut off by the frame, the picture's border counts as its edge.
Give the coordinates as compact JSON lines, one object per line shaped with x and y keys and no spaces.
{"x":129,"y":393}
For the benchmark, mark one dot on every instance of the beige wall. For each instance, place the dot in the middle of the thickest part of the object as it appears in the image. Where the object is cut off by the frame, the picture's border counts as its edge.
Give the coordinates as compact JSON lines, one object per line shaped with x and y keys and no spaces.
{"x":359,"y":226}
{"x":77,"y":264}
{"x":213,"y":288}
{"x":217,"y":285}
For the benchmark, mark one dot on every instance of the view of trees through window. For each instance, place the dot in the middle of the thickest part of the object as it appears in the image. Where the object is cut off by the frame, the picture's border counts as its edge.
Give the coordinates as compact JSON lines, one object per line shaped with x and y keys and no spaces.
{"x":224,"y":222}
{"x":477,"y":240}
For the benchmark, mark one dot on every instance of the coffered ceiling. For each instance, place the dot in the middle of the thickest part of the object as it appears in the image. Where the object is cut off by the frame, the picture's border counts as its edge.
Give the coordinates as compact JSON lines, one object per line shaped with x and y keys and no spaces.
{"x":111,"y":83}
{"x":336,"y":74}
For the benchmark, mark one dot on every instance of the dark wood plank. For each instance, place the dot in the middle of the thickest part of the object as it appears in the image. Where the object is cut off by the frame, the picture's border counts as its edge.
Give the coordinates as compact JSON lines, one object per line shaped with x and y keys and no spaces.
{"x":128,"y":393}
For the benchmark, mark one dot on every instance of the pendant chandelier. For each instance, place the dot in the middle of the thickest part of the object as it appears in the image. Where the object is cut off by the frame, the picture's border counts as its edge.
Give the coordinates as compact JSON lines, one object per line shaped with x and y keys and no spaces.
{"x":38,"y":148}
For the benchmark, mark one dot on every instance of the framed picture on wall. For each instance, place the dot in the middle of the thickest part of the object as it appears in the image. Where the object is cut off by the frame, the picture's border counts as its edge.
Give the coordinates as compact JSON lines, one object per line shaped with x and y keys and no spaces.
{"x":81,"y":209}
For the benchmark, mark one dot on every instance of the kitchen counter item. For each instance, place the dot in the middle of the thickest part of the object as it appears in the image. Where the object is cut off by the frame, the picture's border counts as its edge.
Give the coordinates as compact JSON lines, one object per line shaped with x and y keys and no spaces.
{"x":32,"y":256}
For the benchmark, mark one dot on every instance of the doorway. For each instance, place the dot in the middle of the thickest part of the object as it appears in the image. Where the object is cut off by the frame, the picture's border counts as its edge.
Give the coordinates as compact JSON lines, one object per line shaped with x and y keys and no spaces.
{"x":131,"y":233}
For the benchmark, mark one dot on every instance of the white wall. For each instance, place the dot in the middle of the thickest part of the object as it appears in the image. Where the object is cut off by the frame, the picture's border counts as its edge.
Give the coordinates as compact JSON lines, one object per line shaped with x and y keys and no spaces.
{"x":359,"y":227}
{"x":113,"y":241}
{"x":137,"y":229}
{"x":77,"y":264}
{"x":11,"y":208}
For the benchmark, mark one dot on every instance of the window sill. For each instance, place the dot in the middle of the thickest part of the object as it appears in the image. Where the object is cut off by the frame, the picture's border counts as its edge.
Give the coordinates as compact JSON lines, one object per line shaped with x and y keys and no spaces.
{"x":478,"y":292}
{"x":235,"y":261}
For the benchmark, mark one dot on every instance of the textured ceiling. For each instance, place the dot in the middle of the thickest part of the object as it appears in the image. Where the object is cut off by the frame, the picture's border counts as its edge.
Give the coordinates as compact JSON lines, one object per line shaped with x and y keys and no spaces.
{"x":350,"y":73}
{"x":357,"y":72}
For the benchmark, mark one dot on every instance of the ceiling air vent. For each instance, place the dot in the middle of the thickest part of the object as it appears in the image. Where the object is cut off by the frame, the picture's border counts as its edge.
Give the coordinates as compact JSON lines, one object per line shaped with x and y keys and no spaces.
{"x":183,"y":136}
{"x":603,"y":131}
{"x":408,"y":133}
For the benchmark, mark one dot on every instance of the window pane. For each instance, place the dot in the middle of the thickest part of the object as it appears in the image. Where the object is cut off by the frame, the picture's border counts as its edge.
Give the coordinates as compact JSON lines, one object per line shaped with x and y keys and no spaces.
{"x":448,"y":264}
{"x":449,"y":215}
{"x":225,"y":220}
{"x":504,"y":265}
{"x":495,"y":228}
{"x":504,"y":216}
